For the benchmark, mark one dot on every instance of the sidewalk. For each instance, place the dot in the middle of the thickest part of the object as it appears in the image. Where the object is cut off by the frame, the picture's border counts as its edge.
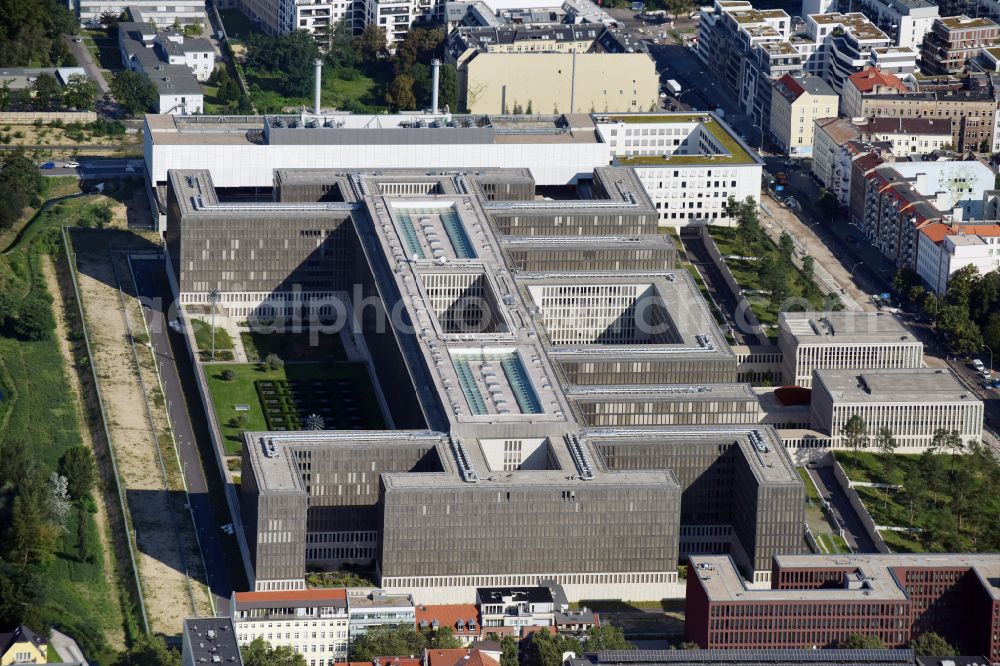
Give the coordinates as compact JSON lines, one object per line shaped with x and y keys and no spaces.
{"x":86,"y":60}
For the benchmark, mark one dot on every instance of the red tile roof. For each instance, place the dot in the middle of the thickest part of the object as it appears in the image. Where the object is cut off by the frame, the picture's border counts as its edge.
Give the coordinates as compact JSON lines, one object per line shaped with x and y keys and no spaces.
{"x":866,"y":80}
{"x":448,"y":615}
{"x":397,"y":661}
{"x":332,"y":594}
{"x":459,"y":657}
{"x":936,"y":232}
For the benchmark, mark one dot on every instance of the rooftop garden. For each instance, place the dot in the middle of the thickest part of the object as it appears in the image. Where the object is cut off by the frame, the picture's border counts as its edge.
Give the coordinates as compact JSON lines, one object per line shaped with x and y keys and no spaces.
{"x":735,"y":153}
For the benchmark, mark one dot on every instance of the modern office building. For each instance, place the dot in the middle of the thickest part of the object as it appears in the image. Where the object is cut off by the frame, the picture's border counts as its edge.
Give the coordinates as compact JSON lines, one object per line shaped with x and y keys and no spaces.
{"x":688,"y":163}
{"x":208,"y":640}
{"x":747,"y":657}
{"x":796,"y":104}
{"x":818,"y":600}
{"x":377,"y":608}
{"x":913,"y":403}
{"x":812,"y":341}
{"x":906,"y":21}
{"x":954,"y":40}
{"x":482,"y":377}
{"x":554,"y":67}
{"x":944,"y":249}
{"x":516,"y":607}
{"x":313,"y":622}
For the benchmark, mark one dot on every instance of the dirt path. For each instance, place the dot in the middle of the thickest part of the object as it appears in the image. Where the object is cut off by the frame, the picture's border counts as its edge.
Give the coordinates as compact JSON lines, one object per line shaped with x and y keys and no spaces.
{"x":116,"y":639}
{"x":167,"y":549}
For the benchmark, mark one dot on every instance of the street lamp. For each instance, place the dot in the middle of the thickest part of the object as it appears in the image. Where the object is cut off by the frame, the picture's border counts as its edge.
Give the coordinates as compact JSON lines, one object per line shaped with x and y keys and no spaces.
{"x":987,"y":348}
{"x":214,"y":296}
{"x":855,"y":267}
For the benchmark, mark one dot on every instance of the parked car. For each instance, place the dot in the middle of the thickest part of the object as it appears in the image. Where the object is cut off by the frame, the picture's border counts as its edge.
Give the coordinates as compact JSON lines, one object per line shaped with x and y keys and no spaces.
{"x":129,"y":169}
{"x":47,"y":165}
{"x":978,"y":365}
{"x":71,"y":165}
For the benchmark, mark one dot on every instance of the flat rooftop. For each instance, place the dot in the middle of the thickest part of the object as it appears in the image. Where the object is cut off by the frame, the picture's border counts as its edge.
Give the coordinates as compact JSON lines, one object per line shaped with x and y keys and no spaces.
{"x":212,"y":640}
{"x":733,"y":150}
{"x":827,"y":328}
{"x":909,"y":385}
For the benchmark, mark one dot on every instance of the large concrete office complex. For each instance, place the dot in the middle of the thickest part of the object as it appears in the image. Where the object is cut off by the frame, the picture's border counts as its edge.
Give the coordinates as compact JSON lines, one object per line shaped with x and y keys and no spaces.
{"x":688,"y":163}
{"x":817,"y":600}
{"x":843,"y":340}
{"x":491,"y":478}
{"x":913,"y":403}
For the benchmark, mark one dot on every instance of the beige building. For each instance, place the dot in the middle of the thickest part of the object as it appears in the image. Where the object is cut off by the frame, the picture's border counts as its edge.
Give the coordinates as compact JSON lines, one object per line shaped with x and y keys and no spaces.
{"x":550,"y":69}
{"x":796,"y":103}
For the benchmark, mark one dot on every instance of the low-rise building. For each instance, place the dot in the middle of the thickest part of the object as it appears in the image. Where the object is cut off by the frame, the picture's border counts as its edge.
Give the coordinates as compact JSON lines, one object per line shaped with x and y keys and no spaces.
{"x":913,"y":403}
{"x":819,"y":600}
{"x":458,"y":657}
{"x":553,"y":67}
{"x":312,"y":622}
{"x":516,"y":606}
{"x":462,"y":619}
{"x":173,"y":63}
{"x":21,"y":645}
{"x":796,"y":103}
{"x":954,"y":40}
{"x":909,"y":136}
{"x":947,"y":248}
{"x":812,"y":341}
{"x":209,"y":640}
{"x":376,"y":608}
{"x":870,"y":81}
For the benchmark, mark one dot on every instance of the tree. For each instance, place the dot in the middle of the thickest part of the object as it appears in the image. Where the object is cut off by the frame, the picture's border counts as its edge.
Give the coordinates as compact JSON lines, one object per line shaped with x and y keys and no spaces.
{"x":775,"y":278}
{"x":606,"y":637}
{"x":21,"y":174}
{"x":932,"y":645}
{"x":808,"y":270}
{"x":386,"y":641}
{"x":861,"y":642}
{"x":678,"y":7}
{"x":689,"y":645}
{"x":45,"y":93}
{"x":34,"y":318}
{"x":747,"y":222}
{"x":371,"y":43}
{"x":77,"y":465}
{"x":786,"y":247}
{"x":227,"y":375}
{"x":31,"y":537}
{"x":400,"y":93}
{"x":84,"y":542}
{"x":59,"y":503}
{"x":442,"y":638}
{"x":290,"y":56}
{"x":260,"y":653}
{"x":80,"y":93}
{"x":855,"y":433}
{"x":885,"y":441}
{"x":149,"y":650}
{"x":508,"y":652}
{"x":545,"y":649}
{"x":274,"y":362}
{"x":135,"y":92}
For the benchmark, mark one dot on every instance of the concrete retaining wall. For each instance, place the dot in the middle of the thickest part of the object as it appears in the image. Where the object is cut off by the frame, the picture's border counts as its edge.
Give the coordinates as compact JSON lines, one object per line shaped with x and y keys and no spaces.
{"x":859,"y":508}
{"x":734,"y":288}
{"x":29,"y":117}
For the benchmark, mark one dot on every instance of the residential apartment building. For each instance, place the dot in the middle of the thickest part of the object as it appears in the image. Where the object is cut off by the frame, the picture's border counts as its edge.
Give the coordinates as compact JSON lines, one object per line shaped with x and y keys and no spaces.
{"x":946,"y":248}
{"x":174,"y":63}
{"x":955,"y":40}
{"x":843,"y":45}
{"x":21,"y":645}
{"x":819,"y":600}
{"x":913,"y":403}
{"x":906,"y":21}
{"x":516,"y":607}
{"x":314,"y":623}
{"x":689,"y":164}
{"x":208,"y":640}
{"x":870,"y":81}
{"x":550,"y":67}
{"x":812,"y":341}
{"x":462,"y":619}
{"x":397,"y":16}
{"x":830,"y":136}
{"x":377,"y":608}
{"x":909,"y":136}
{"x":796,"y":103}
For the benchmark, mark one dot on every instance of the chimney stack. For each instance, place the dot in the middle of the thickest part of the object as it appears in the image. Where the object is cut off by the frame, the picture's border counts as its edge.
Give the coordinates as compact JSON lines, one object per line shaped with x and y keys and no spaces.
{"x":435,"y":80}
{"x":318,"y":82}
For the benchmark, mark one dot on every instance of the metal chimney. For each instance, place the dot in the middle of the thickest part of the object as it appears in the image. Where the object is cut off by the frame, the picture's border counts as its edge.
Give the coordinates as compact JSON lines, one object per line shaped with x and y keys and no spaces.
{"x":435,"y":80}
{"x":318,"y":82}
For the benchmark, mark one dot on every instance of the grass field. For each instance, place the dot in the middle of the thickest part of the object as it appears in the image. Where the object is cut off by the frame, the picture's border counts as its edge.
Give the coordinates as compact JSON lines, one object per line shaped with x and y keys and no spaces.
{"x":79,"y":212}
{"x":37,"y":409}
{"x":748,"y":276}
{"x":241,"y":391}
{"x":811,"y":493}
{"x":268,"y":92}
{"x":293,"y":346}
{"x":203,"y":336}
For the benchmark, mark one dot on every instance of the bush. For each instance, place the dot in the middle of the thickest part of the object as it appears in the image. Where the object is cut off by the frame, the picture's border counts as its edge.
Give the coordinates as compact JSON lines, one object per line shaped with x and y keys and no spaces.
{"x":274,"y":362}
{"x":228,"y":375}
{"x":34,"y":319}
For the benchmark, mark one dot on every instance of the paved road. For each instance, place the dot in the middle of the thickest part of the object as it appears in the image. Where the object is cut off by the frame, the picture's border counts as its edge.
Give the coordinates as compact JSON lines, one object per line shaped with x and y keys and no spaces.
{"x":151,"y":282}
{"x":86,"y":61}
{"x":829,"y":490}
{"x":92,"y":169}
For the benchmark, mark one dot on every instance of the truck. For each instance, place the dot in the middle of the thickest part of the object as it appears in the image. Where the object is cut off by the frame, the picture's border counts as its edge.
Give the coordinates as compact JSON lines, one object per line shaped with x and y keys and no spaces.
{"x":673,"y":87}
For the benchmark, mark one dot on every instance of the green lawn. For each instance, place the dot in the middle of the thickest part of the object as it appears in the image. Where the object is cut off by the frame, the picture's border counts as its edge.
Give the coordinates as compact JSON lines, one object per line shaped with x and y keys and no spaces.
{"x":52,"y":655}
{"x":242,"y":391}
{"x":747,"y":274}
{"x":900,"y":542}
{"x":203,"y":336}
{"x":79,"y":212}
{"x":340,"y":93}
{"x":213,"y":104}
{"x":811,"y":493}
{"x":293,"y":346}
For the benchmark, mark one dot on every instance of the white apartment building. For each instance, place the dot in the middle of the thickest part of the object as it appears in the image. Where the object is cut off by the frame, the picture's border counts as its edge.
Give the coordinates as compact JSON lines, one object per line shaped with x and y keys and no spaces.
{"x":913,"y":403}
{"x":906,"y":21}
{"x":374,"y":608}
{"x":516,"y":606}
{"x":689,"y":164}
{"x":314,"y":622}
{"x":812,"y":341}
{"x":396,"y":16}
{"x":796,"y":103}
{"x":843,"y":45}
{"x":950,"y":184}
{"x":944,"y":249}
{"x":909,"y":136}
{"x":197,"y":53}
{"x":830,"y":135}
{"x":173,"y":63}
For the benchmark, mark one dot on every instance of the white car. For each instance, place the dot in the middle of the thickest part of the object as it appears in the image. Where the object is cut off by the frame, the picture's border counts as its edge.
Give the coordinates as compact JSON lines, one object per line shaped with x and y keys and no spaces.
{"x":129,"y":169}
{"x":71,"y":165}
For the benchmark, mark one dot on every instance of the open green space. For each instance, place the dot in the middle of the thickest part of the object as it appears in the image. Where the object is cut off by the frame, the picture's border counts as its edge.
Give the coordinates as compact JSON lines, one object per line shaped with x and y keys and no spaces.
{"x":833,"y":543}
{"x":203,"y":336}
{"x":242,"y":390}
{"x":811,"y":493}
{"x":748,"y":275}
{"x":951,"y":498}
{"x":91,"y":212}
{"x":323,"y":347}
{"x":269,"y":93}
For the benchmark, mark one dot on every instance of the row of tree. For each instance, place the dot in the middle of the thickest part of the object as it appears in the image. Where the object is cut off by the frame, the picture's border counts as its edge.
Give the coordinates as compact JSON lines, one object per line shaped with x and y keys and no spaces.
{"x":31,"y":33}
{"x":929,"y":644}
{"x":45,"y":94}
{"x":21,"y":185}
{"x":968,"y":315}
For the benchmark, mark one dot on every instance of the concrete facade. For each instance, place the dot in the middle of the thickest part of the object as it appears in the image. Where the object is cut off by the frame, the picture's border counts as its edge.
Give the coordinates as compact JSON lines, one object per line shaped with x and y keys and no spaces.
{"x":796,"y":105}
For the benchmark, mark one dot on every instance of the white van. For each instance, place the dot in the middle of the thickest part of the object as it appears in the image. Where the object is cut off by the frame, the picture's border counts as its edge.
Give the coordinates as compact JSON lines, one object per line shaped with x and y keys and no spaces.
{"x":978,"y":365}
